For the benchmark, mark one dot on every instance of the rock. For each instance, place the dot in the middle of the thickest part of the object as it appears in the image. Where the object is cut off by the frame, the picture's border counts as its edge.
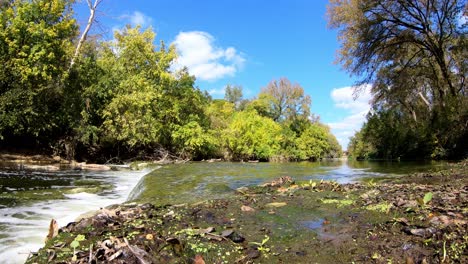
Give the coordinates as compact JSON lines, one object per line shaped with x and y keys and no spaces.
{"x":227,"y":232}
{"x":253,"y":253}
{"x":421,"y":232}
{"x":234,"y":236}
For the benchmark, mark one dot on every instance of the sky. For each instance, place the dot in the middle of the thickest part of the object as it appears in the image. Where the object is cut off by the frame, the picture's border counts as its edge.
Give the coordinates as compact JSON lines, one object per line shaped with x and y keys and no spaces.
{"x":248,"y":43}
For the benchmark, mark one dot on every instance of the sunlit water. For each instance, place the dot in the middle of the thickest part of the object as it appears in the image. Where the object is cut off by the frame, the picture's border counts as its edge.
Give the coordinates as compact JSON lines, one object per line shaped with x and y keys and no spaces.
{"x":24,"y":224}
{"x":197,"y":181}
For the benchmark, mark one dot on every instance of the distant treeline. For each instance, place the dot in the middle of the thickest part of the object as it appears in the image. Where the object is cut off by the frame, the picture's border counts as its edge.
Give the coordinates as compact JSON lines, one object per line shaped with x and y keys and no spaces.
{"x":122,"y":99}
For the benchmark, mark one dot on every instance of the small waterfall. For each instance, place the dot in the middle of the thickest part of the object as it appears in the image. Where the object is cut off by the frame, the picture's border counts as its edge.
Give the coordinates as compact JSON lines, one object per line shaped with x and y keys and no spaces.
{"x":23,"y":228}
{"x":139,"y":188}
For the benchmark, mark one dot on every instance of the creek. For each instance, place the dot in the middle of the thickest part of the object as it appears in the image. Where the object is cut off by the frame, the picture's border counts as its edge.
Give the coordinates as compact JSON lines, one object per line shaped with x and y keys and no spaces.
{"x":30,"y":199}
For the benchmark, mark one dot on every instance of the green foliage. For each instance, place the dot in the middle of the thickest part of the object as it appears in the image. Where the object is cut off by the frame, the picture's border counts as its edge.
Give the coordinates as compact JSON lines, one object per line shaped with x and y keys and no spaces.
{"x":76,"y":243}
{"x":35,"y":44}
{"x":192,"y":140}
{"x":140,"y":104}
{"x":122,"y":97}
{"x":233,"y":94}
{"x":313,"y":143}
{"x":427,"y":198}
{"x":261,"y":246}
{"x":411,"y":54}
{"x":285,"y":101}
{"x":251,"y":136}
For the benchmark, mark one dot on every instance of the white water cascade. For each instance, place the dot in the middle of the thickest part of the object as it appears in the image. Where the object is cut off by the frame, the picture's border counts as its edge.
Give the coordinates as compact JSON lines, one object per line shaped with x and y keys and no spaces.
{"x":23,"y":228}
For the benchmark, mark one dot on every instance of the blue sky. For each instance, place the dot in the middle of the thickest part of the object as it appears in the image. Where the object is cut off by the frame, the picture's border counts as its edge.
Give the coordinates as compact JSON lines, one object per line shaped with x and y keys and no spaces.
{"x":249,"y":43}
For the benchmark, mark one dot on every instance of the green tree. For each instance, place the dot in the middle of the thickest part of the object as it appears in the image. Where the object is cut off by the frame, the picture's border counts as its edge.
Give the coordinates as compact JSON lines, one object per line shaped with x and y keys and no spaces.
{"x":285,"y":101}
{"x":139,"y":103}
{"x":35,"y":50}
{"x":233,"y":94}
{"x":414,"y":55}
{"x":359,"y":148}
{"x":251,"y":136}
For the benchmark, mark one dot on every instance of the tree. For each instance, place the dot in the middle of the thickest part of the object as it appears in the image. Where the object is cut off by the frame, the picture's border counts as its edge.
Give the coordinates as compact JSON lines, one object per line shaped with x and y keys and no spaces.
{"x":35,"y":43}
{"x":359,"y":148}
{"x":251,"y":136}
{"x":233,"y":94}
{"x":139,"y":103}
{"x":414,"y":55}
{"x":92,"y":13}
{"x":286,"y":101}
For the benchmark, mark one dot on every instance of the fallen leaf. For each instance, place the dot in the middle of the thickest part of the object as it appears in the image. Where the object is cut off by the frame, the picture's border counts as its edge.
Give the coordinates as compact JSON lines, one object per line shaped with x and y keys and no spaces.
{"x":205,"y":230}
{"x":53,"y":230}
{"x":227,"y":232}
{"x":246,"y":208}
{"x":198,"y":260}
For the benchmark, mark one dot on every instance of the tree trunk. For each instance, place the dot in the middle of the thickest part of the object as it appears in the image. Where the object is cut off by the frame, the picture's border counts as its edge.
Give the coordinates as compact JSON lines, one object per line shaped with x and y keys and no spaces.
{"x":92,"y":12}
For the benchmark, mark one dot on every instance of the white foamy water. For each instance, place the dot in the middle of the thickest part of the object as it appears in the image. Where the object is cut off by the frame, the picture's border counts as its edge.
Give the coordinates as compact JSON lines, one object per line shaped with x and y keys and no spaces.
{"x":23,"y":228}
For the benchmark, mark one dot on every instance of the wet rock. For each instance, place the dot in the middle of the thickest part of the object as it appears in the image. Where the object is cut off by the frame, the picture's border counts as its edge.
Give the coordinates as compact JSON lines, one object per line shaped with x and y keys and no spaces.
{"x":236,"y":237}
{"x":421,"y":232}
{"x":253,"y":253}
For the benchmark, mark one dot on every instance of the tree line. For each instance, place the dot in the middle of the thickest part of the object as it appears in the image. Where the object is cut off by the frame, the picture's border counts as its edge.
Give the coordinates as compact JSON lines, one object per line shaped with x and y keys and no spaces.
{"x":414,"y":54}
{"x":85,"y":97}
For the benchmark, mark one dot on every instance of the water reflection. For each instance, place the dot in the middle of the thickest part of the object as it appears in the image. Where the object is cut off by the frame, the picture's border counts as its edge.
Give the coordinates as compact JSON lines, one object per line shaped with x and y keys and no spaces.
{"x":198,"y":180}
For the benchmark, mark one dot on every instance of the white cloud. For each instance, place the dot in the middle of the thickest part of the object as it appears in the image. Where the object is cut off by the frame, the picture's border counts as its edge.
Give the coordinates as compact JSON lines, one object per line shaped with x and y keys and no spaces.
{"x":134,"y":19}
{"x":357,"y":109}
{"x":138,"y":18}
{"x":217,"y":92}
{"x":197,"y":51}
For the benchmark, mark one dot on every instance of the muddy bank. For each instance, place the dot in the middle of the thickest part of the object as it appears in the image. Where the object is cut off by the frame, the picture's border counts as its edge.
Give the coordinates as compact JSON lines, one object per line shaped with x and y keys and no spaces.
{"x":416,"y":219}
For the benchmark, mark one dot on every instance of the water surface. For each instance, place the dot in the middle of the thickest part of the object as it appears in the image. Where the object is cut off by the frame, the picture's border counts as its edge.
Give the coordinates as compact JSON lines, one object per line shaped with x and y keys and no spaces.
{"x":199,"y":180}
{"x":30,"y":199}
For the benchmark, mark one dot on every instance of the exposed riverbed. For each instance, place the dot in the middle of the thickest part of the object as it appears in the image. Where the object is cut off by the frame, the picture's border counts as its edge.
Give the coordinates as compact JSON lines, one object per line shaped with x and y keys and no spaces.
{"x":30,"y":199}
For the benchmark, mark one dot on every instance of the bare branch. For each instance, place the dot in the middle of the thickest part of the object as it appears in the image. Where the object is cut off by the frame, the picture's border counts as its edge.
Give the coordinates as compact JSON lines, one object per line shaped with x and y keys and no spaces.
{"x":92,"y":13}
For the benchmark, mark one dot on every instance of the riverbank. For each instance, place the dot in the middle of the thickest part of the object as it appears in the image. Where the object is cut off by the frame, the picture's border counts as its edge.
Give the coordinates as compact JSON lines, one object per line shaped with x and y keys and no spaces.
{"x":421,"y":218}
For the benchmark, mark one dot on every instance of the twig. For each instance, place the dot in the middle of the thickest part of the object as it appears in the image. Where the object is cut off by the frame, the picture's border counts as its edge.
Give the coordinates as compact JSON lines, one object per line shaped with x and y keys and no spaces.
{"x":136,"y":254}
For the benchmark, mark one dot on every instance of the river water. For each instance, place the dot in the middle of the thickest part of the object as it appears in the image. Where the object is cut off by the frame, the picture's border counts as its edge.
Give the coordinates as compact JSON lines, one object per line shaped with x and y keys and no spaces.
{"x":30,"y":199}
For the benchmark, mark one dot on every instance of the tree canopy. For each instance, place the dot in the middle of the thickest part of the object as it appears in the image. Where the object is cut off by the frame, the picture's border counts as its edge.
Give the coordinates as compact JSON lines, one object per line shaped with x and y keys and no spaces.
{"x":414,"y":55}
{"x":82,"y":96}
{"x":35,"y":41}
